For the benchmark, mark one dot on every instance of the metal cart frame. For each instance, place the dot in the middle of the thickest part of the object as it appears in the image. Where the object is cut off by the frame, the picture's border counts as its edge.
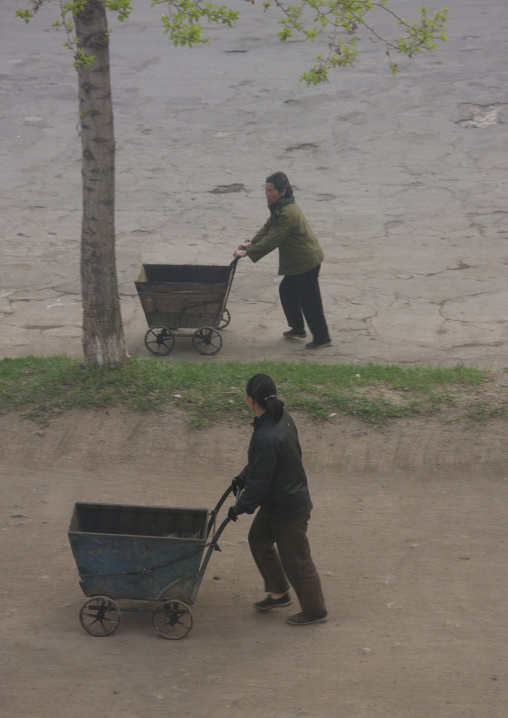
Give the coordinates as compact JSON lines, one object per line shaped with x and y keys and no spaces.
{"x":139,"y":558}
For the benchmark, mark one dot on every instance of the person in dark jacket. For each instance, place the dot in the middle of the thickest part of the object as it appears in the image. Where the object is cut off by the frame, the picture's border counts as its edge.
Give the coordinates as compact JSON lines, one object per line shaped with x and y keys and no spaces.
{"x":275,"y":481}
{"x":300,"y":257}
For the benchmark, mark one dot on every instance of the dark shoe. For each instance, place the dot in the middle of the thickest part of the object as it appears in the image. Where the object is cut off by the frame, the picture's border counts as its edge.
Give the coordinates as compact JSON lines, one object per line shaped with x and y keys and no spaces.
{"x":303,"y":619}
{"x":295,"y":333}
{"x":315,"y":345}
{"x":270,"y":603}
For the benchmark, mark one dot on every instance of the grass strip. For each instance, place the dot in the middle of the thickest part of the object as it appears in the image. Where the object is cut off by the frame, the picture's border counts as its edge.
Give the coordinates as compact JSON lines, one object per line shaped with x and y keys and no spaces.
{"x":37,"y":386}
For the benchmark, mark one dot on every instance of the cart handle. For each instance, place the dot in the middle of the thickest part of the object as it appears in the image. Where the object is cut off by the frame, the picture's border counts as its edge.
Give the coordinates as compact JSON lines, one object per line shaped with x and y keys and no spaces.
{"x":214,"y":546}
{"x":213,"y":517}
{"x":223,"y":498}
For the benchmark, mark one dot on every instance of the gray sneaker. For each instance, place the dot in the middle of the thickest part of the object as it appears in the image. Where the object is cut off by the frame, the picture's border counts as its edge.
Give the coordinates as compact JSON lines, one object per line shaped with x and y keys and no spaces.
{"x":303,"y":619}
{"x":315,"y":345}
{"x":295,"y":334}
{"x":270,"y":603}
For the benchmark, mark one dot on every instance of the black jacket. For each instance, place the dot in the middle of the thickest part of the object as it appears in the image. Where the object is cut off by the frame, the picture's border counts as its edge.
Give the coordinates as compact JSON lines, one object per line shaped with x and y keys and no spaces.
{"x":274,"y":479}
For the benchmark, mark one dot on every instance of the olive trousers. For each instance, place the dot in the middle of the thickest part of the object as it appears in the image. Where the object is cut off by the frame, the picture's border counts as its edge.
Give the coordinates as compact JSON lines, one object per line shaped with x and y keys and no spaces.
{"x":290,"y":562}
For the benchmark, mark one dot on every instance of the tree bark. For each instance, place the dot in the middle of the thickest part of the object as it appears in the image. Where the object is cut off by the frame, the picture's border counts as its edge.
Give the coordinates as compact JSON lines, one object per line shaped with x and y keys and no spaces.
{"x":103,"y":339}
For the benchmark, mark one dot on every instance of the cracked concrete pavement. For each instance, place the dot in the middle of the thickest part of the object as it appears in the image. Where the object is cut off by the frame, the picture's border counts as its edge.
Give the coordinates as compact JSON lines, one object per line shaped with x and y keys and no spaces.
{"x":403,"y":180}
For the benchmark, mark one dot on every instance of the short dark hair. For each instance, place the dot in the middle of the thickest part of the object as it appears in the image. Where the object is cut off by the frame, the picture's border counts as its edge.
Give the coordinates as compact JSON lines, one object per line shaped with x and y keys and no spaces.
{"x":262,"y":389}
{"x":281,"y":182}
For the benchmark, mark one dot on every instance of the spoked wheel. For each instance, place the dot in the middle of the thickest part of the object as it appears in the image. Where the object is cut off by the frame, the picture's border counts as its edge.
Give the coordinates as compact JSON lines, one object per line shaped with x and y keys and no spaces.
{"x":207,"y":340}
{"x":159,"y":340}
{"x":225,"y":319}
{"x":172,"y":620}
{"x":100,"y":616}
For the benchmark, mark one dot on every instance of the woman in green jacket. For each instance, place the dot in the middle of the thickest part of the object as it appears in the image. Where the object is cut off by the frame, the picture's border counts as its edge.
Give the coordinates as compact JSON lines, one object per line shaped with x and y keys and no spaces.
{"x":300,"y":258}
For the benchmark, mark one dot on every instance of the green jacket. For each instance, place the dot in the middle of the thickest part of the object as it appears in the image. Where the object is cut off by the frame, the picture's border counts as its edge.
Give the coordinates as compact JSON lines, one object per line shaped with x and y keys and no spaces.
{"x":299,"y":250}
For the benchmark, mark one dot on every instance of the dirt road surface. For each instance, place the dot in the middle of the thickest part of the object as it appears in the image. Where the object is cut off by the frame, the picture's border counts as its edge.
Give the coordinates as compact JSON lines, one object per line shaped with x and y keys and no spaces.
{"x":408,"y":532}
{"x":404,"y":181}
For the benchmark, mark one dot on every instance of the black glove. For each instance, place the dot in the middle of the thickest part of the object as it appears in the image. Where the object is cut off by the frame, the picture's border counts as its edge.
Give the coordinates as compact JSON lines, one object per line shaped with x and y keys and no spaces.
{"x":232,"y":515}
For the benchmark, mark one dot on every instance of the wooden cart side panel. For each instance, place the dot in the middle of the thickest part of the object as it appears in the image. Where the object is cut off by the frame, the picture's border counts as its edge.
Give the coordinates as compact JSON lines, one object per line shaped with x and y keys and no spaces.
{"x":136,"y":520}
{"x":177,"y":305}
{"x":184,"y":274}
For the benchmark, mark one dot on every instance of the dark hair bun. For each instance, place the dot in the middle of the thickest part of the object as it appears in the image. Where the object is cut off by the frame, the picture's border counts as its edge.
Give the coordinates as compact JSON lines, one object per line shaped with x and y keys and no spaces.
{"x":262,"y":389}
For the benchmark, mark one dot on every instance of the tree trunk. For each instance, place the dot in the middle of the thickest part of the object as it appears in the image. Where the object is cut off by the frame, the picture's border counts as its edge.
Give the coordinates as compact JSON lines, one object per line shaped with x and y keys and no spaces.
{"x":103,"y":340}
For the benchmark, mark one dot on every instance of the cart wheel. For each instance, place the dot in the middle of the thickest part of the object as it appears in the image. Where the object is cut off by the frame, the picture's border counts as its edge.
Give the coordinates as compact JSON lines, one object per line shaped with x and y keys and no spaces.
{"x":225,"y":319}
{"x":207,"y":340}
{"x":172,"y":620}
{"x":159,"y":340}
{"x":100,"y":616}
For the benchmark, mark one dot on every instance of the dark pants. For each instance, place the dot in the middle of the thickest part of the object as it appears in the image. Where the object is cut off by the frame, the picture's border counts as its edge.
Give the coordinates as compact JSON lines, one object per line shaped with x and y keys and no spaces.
{"x":289,"y":563}
{"x":300,"y":297}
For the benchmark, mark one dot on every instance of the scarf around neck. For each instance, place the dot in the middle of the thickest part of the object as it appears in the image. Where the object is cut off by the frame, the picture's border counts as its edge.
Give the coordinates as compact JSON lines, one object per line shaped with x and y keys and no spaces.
{"x":276,"y":207}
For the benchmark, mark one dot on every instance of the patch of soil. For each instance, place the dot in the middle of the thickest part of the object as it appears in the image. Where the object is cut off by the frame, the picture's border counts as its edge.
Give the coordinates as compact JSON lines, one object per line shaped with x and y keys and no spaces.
{"x":408,"y":532}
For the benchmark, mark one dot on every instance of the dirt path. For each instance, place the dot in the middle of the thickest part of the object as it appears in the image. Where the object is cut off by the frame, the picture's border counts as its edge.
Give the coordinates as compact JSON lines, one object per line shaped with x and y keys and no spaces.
{"x":403,"y":181}
{"x":409,"y":534}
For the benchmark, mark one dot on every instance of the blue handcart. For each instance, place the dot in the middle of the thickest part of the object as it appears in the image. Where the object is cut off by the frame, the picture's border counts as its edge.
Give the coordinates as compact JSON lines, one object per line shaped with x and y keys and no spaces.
{"x":131,"y":554}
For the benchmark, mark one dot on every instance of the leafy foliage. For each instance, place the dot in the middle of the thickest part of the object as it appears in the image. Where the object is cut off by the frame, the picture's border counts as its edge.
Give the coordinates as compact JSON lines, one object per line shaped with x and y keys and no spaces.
{"x":335,"y":23}
{"x":183,"y":20}
{"x":340,"y":21}
{"x":68,"y":9}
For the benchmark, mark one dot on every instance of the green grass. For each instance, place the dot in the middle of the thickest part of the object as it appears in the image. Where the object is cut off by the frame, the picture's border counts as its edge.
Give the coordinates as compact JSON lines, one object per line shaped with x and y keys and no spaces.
{"x":482,"y":411}
{"x":37,"y":387}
